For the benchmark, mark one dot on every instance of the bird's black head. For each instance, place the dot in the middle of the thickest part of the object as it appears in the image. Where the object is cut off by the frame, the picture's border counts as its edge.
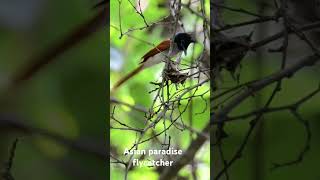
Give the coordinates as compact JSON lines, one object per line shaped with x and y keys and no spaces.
{"x":183,"y":40}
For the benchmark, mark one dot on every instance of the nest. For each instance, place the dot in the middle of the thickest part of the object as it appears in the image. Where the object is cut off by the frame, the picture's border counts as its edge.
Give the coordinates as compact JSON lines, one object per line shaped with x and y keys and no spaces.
{"x":172,"y":73}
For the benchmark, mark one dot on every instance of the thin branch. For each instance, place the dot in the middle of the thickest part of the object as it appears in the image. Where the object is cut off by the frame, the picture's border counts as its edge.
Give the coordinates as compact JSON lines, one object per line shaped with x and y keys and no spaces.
{"x":90,"y":147}
{"x":80,"y":33}
{"x":7,"y":175}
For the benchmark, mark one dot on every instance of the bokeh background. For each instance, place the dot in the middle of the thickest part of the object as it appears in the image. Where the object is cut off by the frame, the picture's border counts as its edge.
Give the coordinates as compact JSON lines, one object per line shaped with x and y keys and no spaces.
{"x":280,"y":138}
{"x":58,"y":114}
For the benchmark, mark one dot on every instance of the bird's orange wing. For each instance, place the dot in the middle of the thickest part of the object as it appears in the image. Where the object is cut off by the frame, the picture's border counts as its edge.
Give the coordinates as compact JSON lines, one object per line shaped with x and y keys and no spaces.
{"x":164,"y":45}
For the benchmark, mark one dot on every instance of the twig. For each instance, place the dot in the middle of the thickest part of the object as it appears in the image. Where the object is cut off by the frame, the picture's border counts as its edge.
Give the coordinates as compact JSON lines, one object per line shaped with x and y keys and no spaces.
{"x":7,"y":174}
{"x":80,"y":33}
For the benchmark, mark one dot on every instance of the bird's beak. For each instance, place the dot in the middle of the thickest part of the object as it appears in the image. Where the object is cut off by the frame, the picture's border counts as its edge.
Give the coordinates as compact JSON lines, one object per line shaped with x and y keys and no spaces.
{"x":184,"y":49}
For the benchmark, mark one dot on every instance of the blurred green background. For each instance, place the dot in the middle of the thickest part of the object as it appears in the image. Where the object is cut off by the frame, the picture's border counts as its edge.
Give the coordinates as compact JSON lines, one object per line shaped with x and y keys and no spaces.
{"x":126,"y":53}
{"x":281,"y":137}
{"x":66,"y":97}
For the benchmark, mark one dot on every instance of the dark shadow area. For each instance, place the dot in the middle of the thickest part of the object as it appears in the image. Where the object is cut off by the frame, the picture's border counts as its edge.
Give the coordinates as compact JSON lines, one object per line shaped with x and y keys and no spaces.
{"x":265,"y":83}
{"x":53,"y":84}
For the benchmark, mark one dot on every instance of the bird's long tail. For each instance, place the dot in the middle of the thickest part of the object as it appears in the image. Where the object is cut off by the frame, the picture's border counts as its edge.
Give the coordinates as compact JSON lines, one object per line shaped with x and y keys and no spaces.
{"x":126,"y":78}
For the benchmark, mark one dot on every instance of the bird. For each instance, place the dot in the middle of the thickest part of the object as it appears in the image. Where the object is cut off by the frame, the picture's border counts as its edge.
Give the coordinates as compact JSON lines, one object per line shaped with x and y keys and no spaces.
{"x":228,"y":53}
{"x":159,"y":54}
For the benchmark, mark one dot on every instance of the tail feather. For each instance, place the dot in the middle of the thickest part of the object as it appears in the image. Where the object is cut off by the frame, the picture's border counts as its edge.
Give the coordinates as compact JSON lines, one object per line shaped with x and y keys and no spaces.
{"x":126,"y":78}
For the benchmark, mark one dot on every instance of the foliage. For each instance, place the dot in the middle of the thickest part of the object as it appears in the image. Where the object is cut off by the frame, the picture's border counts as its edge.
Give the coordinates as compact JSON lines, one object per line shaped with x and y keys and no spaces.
{"x":139,"y":114}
